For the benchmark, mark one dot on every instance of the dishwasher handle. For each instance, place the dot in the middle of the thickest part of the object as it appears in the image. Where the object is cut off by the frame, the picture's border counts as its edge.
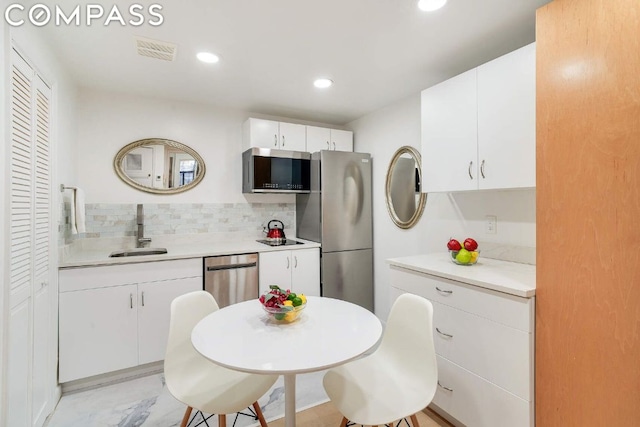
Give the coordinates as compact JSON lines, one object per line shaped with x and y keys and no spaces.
{"x":232,"y":266}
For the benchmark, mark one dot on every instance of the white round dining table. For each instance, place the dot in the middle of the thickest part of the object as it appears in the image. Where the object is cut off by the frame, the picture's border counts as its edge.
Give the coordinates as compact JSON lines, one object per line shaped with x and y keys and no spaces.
{"x":328,"y":333}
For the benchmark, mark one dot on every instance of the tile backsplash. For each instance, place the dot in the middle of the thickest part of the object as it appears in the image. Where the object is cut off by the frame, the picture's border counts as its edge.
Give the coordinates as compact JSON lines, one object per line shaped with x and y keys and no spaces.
{"x":119,"y":220}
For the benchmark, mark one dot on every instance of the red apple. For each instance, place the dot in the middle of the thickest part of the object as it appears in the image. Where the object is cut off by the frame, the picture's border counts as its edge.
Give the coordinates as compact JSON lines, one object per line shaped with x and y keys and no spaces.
{"x":454,"y":245}
{"x":470,"y":244}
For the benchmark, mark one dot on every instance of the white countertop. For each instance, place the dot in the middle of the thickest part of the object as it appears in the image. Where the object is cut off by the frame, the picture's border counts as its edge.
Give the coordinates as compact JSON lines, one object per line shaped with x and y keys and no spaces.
{"x":502,"y":276}
{"x":178,"y":250}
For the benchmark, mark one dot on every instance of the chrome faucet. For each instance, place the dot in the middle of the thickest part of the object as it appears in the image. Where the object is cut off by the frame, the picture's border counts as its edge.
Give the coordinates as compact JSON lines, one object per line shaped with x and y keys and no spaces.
{"x":141,"y":240}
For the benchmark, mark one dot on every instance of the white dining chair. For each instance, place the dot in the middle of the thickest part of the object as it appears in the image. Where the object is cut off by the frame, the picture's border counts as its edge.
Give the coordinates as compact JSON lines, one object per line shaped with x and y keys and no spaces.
{"x":398,"y":379}
{"x":199,"y":383}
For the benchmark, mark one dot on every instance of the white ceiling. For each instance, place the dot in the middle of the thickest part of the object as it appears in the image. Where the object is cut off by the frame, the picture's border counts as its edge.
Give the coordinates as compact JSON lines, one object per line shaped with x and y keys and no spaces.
{"x":376,"y":51}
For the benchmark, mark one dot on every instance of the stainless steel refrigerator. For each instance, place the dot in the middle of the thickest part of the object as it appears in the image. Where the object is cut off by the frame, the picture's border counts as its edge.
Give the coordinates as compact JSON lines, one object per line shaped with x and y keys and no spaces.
{"x":337,"y":214}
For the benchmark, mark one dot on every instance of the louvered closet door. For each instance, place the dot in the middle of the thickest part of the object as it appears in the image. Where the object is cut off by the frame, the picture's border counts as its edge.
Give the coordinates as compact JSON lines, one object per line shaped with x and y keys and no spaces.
{"x":21,"y":180}
{"x":31,"y":361}
{"x":42,"y":366}
{"x":21,"y":244}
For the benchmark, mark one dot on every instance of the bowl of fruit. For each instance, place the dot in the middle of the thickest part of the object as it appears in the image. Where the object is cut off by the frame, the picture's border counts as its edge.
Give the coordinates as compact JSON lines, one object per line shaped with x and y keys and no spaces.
{"x":465,"y":253}
{"x":282,"y":306}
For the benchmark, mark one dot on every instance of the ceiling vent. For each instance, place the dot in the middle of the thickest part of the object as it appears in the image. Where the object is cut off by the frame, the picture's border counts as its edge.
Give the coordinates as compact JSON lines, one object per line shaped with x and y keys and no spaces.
{"x":156,"y":49}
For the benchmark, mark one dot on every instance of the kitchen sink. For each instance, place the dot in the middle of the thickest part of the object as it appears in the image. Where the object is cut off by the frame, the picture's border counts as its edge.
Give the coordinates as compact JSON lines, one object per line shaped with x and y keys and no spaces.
{"x":138,"y":252}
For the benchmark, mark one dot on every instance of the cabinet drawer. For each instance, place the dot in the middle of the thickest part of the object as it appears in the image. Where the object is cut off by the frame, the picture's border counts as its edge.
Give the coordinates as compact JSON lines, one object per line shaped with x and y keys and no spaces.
{"x":76,"y":279}
{"x":500,"y":354}
{"x":505,"y":309}
{"x":476,"y":402}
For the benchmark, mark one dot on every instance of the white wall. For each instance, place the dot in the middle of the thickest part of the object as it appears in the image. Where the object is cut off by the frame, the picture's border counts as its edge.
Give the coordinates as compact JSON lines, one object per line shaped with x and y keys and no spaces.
{"x":108,"y":121}
{"x":458,"y":215}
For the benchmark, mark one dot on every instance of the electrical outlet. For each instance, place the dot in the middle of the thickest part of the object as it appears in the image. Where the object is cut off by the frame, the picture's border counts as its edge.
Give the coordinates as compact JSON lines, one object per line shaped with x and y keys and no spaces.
{"x":491,"y":224}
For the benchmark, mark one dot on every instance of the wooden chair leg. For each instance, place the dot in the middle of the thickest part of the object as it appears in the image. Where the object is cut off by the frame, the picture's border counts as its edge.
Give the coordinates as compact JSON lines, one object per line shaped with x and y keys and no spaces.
{"x":344,"y":422}
{"x":187,"y":414}
{"x":256,"y":408}
{"x":222,"y":420}
{"x":414,"y":421}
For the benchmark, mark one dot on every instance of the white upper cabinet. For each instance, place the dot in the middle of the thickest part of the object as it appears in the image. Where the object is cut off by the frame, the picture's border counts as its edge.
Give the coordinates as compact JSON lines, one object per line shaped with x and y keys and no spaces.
{"x":449,"y":135}
{"x":271,"y":134}
{"x":318,"y":139}
{"x":478,"y":128}
{"x":292,"y":137}
{"x":328,"y":139}
{"x":341,"y":140}
{"x":507,"y":120}
{"x":261,"y":133}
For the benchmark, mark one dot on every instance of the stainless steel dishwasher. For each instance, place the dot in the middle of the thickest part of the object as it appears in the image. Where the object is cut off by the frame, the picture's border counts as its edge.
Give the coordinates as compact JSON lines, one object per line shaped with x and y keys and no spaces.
{"x":231,"y":279}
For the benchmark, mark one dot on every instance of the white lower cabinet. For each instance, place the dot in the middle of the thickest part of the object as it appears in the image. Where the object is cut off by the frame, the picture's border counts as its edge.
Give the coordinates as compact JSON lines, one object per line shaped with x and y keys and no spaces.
{"x":117,"y":317}
{"x":484,"y":343}
{"x":298,"y":270}
{"x":154,"y":314}
{"x":475,"y":401}
{"x":97,"y":331}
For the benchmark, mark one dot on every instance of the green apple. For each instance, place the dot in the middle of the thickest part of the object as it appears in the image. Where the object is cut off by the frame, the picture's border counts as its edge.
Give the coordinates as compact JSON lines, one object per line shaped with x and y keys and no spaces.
{"x":464,"y":256}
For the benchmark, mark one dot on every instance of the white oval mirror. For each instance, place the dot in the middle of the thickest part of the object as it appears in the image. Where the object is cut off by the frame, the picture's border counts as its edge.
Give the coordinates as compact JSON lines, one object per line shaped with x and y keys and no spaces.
{"x":405,"y":201}
{"x":159,"y":166}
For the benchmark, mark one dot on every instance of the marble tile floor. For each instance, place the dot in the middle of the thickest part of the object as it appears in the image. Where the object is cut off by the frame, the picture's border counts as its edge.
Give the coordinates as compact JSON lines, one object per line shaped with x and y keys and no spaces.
{"x":147,"y":402}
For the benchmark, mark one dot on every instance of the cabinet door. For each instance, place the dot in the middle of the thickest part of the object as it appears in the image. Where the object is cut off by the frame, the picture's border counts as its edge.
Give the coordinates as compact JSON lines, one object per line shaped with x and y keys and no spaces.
{"x":341,"y":140}
{"x":262,"y":133}
{"x":507,"y":120}
{"x":293,"y":137}
{"x":318,"y":139}
{"x":449,"y":135}
{"x":98,"y":331}
{"x":305,"y":275}
{"x":275,"y":269}
{"x":154,"y":313}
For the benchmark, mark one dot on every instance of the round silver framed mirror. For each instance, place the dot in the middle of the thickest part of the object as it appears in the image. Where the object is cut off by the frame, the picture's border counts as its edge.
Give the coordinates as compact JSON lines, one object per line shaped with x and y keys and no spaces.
{"x":159,"y":166}
{"x":405,"y":201}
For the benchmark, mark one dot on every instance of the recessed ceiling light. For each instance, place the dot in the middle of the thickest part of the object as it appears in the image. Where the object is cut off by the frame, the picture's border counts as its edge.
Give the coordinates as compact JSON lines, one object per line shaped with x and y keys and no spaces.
{"x":208,"y":57}
{"x":323,"y":83}
{"x":431,"y":5}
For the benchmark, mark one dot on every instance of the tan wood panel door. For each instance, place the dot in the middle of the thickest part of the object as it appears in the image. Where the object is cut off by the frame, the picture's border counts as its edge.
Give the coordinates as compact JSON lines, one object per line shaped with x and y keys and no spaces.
{"x":588,"y":213}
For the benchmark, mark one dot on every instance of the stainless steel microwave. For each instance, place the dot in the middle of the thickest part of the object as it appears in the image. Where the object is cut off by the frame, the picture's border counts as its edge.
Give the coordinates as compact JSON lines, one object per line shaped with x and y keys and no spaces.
{"x":275,"y":171}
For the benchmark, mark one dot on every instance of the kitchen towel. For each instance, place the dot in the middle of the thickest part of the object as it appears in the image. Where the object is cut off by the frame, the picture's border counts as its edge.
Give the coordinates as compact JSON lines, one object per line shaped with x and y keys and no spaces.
{"x":77,"y":212}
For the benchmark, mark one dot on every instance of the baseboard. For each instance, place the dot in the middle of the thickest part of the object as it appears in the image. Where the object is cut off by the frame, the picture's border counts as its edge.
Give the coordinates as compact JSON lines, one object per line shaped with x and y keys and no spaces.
{"x":111,"y":378}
